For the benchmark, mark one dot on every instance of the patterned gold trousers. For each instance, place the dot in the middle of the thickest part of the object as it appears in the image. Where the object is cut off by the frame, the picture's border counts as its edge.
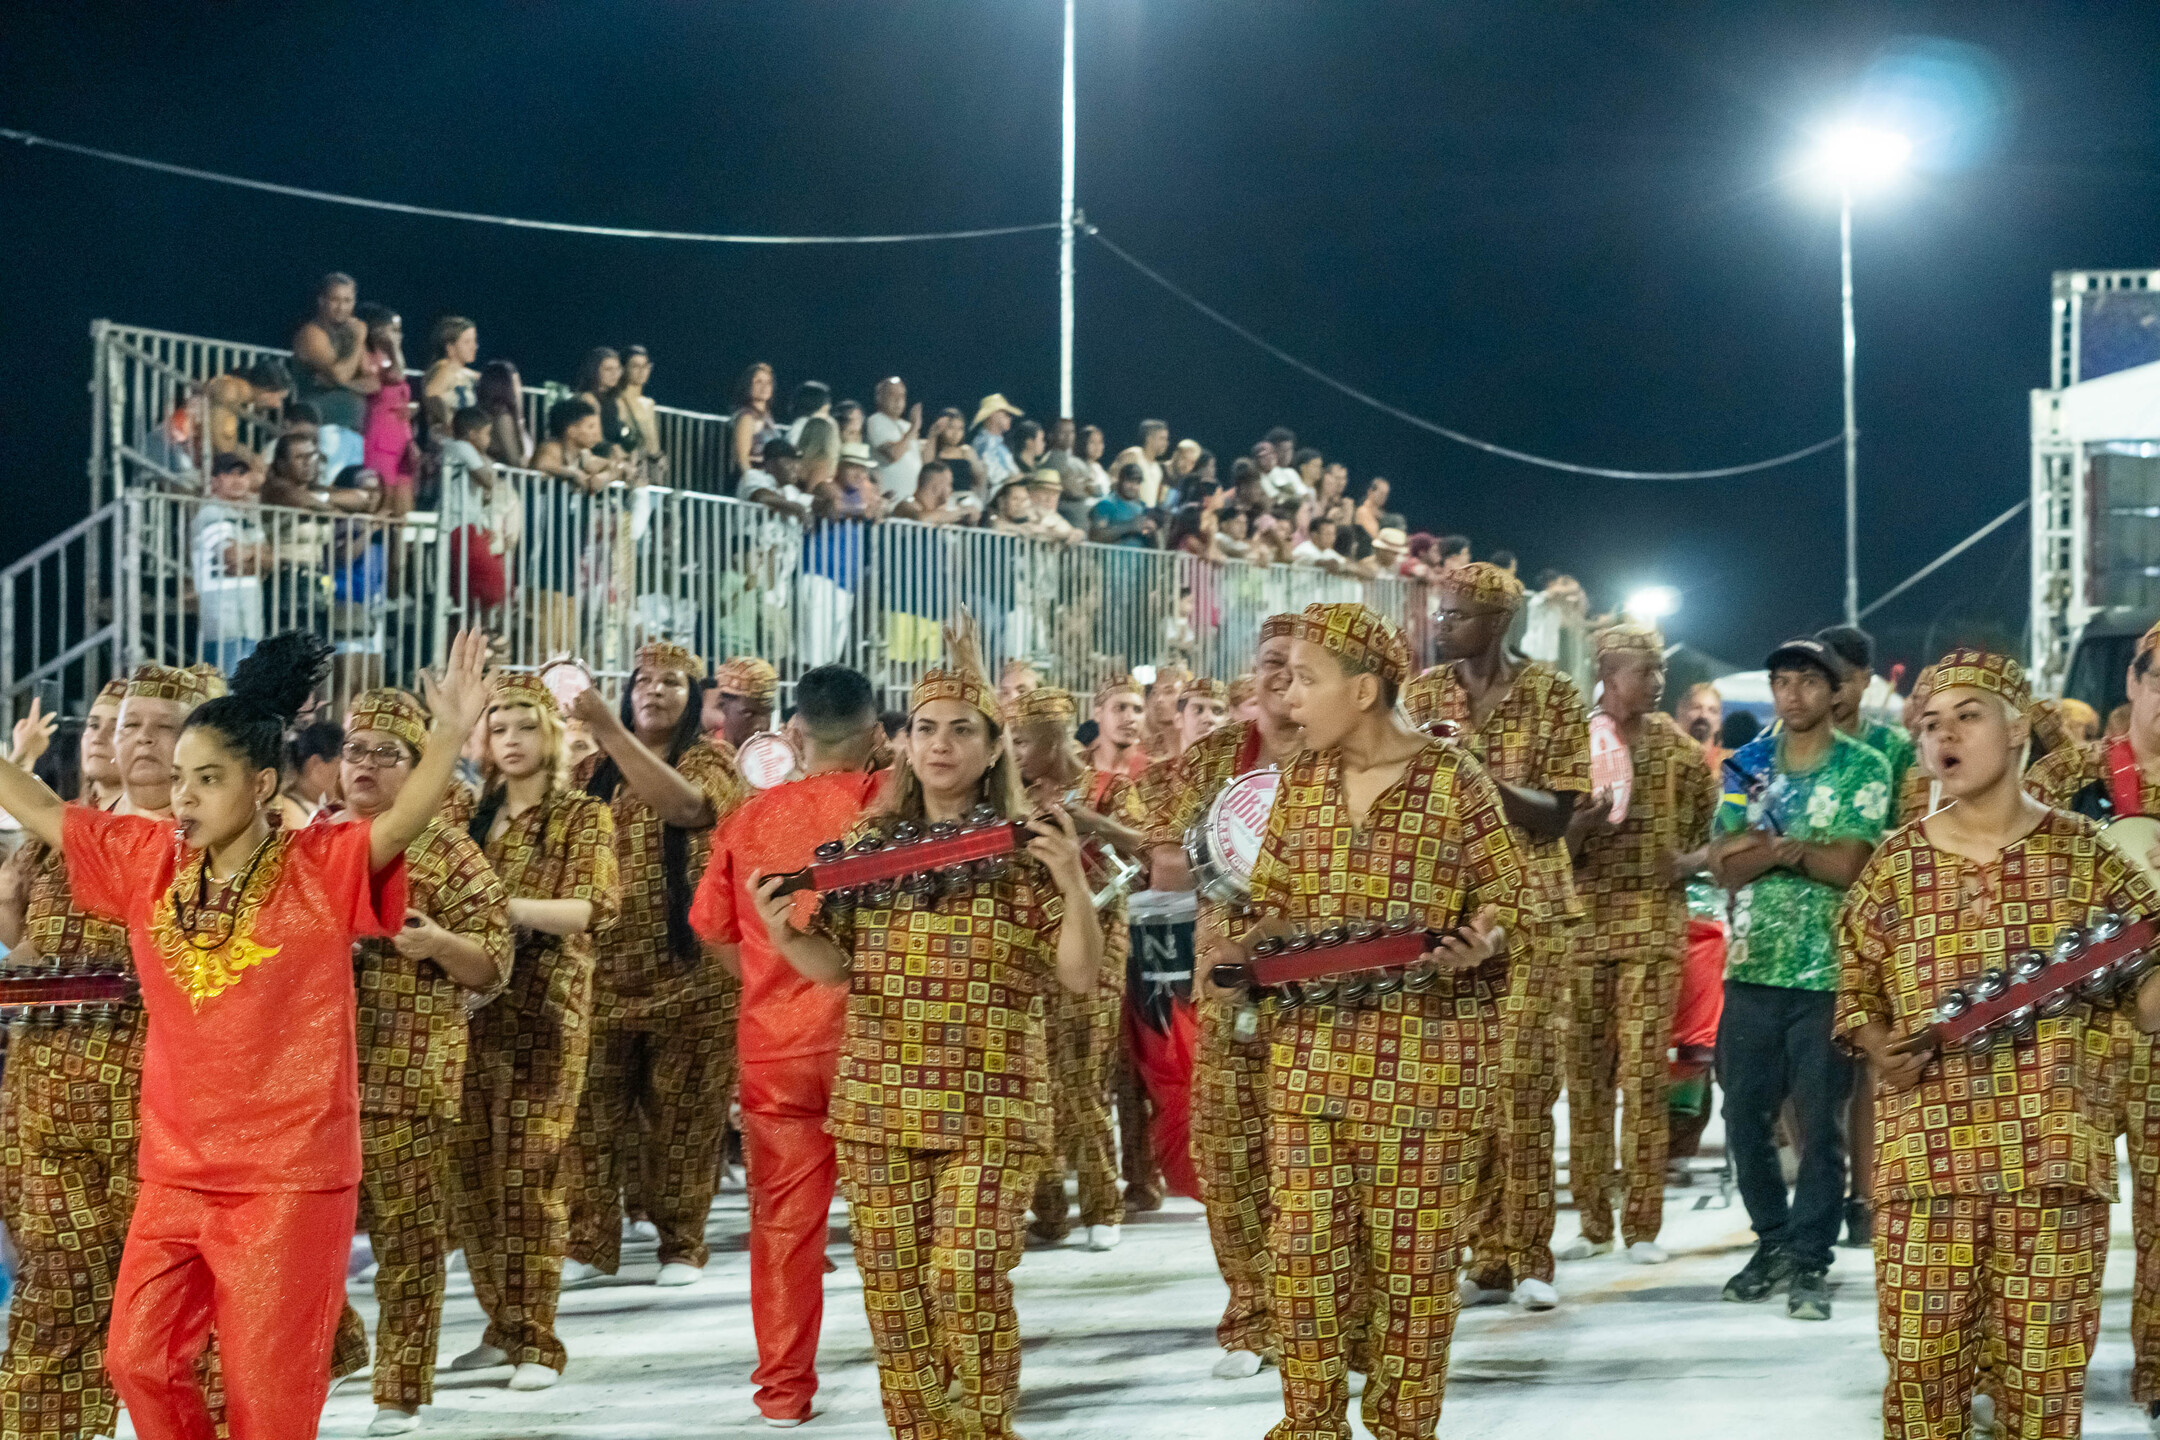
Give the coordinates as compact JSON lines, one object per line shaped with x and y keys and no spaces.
{"x":70,"y":1095}
{"x":1083,"y":1036}
{"x":510,"y":1197}
{"x":1365,"y":1215}
{"x":1512,"y":1224}
{"x":1619,"y":1032}
{"x":405,"y":1208}
{"x":2141,"y":1120}
{"x":937,"y":1233}
{"x":2018,"y":1274}
{"x":1229,"y":1145}
{"x":677,"y":1071}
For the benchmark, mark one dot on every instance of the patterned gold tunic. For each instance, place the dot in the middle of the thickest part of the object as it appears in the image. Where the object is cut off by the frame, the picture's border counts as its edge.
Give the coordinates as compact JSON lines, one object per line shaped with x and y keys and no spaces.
{"x":72,"y":1095}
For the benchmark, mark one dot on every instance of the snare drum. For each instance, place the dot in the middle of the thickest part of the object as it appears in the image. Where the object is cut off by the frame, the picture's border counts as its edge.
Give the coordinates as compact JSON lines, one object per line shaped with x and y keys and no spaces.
{"x":765,"y":760}
{"x":1225,"y":845}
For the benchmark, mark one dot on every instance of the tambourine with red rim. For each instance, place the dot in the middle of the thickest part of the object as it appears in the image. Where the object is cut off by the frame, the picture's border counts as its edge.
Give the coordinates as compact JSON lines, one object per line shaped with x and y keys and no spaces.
{"x":765,"y":760}
{"x":2097,"y":965}
{"x":1339,"y":964}
{"x":47,"y":994}
{"x":921,"y":860}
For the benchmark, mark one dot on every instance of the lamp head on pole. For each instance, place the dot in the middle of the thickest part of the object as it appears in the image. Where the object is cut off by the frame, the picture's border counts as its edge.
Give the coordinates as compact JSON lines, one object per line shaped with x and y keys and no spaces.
{"x":1857,"y":157}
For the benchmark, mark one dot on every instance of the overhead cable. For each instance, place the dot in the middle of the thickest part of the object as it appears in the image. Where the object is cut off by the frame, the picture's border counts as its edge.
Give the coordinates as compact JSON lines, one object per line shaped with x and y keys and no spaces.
{"x":620,"y":232}
{"x":1488,"y":446}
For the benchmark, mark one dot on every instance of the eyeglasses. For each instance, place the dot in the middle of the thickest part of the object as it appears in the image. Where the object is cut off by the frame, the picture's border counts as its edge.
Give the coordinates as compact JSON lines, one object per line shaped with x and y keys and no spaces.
{"x":1462,"y":617}
{"x":381,"y":757}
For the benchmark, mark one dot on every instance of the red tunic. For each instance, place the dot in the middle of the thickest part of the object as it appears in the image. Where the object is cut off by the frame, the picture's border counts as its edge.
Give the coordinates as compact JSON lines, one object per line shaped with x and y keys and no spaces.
{"x":783,"y":1015}
{"x":251,"y":1070}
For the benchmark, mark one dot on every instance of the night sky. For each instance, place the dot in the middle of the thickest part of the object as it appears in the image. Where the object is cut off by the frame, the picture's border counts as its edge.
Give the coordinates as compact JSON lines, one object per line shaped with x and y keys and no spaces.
{"x":1568,"y":228}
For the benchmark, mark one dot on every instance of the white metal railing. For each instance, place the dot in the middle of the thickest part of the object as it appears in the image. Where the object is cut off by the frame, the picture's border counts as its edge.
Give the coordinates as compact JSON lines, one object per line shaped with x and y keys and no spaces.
{"x":142,"y":376}
{"x":592,"y":575}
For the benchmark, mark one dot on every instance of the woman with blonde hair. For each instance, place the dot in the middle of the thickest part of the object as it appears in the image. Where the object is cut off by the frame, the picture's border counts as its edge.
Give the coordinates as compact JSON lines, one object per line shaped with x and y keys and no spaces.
{"x":942,"y":1114}
{"x":451,"y":383}
{"x":819,"y":448}
{"x":554,"y":849}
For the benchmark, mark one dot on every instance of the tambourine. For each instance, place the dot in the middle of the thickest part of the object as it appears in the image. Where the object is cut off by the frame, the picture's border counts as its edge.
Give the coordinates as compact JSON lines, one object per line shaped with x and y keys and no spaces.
{"x":1225,"y":845}
{"x":565,"y":679}
{"x":766,"y":759}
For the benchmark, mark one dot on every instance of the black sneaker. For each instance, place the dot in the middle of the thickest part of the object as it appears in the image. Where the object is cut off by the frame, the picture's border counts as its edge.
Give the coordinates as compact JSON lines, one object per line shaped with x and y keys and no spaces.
{"x":1859,"y":1225}
{"x":1810,"y":1295}
{"x":1763,"y":1274}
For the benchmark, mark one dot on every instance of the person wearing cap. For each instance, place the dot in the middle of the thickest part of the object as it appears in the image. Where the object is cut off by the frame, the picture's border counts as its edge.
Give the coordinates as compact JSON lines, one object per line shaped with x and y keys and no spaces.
{"x":1372,"y":1161}
{"x":1996,"y":1165}
{"x":1391,"y":549}
{"x":1857,"y":648}
{"x":1015,"y":678}
{"x":1203,"y":707}
{"x":789,"y":1030}
{"x":663,"y":1033}
{"x":553,"y":848}
{"x":1523,"y":720}
{"x":2104,"y":779}
{"x":1230,"y":1056}
{"x":1106,"y":811}
{"x":739,"y":702}
{"x":415,"y":991}
{"x":992,"y":419}
{"x":856,"y":495}
{"x":942,"y":1108}
{"x":1044,"y":487}
{"x":772,"y":483}
{"x":1632,"y":876}
{"x":72,"y":1092}
{"x":1119,"y":709}
{"x":1803,"y":806}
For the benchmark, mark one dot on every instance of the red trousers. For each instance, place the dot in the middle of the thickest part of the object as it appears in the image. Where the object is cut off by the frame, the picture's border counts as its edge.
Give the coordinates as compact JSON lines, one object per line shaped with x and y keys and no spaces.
{"x":793,"y":1170}
{"x":267,"y":1272}
{"x":1164,"y":1064}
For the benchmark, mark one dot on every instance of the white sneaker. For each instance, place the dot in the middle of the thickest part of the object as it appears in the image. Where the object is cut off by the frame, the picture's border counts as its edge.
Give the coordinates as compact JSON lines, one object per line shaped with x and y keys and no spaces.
{"x":640,"y":1230}
{"x":1103,"y":1237}
{"x":675,"y":1272}
{"x":481,"y":1357}
{"x":1647,"y":1252}
{"x":779,"y":1424}
{"x":391,"y":1421}
{"x":533,"y":1377}
{"x":576,"y":1272}
{"x":1582,"y":1247}
{"x":1472,"y":1293}
{"x":1985,"y":1424}
{"x":1535,"y":1295}
{"x":1237,"y":1365}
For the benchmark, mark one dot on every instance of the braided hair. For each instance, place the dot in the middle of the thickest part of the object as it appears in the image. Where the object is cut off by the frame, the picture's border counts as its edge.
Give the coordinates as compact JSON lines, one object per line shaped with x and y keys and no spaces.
{"x":268,"y":690}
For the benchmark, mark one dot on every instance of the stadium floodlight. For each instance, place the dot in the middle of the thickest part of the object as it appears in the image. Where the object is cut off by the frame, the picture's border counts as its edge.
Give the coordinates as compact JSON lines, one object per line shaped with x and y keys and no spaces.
{"x":1860,"y":157}
{"x":1653,"y":603}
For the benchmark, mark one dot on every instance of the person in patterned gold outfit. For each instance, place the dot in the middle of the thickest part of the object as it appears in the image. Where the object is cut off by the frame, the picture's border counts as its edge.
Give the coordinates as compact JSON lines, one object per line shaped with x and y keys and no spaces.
{"x":739,"y":702}
{"x":554,"y":850}
{"x":942,"y":1110}
{"x":1229,"y":1132}
{"x":1105,"y":808}
{"x":1524,"y":721}
{"x":414,"y":991}
{"x":2102,"y":779}
{"x":1633,"y":878}
{"x":1994,"y":1167}
{"x":663,"y":1045}
{"x":72,"y":1094}
{"x":1373,"y":1106}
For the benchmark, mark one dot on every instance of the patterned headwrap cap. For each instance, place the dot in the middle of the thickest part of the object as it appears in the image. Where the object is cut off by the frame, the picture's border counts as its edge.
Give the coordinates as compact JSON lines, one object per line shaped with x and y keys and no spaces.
{"x":1629,"y":638}
{"x":1243,"y":689}
{"x":1043,"y":703}
{"x":668,"y":655}
{"x":115,"y":690}
{"x":1996,"y":674}
{"x":521,"y":687}
{"x":393,"y":712}
{"x":962,"y":678}
{"x":1204,"y":688}
{"x":211,"y":679}
{"x":1483,"y":583}
{"x":1016,"y":666}
{"x":1174,"y":675}
{"x":1356,"y":635}
{"x":747,"y":676}
{"x":1280,"y":626}
{"x":1112,"y":686}
{"x":163,"y":682}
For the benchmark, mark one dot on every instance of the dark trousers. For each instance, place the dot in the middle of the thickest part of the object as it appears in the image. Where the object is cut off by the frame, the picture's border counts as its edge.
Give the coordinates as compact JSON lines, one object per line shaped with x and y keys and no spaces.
{"x":1774,"y":1045}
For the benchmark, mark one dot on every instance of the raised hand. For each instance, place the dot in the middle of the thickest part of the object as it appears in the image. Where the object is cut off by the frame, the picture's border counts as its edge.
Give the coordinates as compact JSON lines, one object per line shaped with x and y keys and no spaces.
{"x":460,"y":697}
{"x":33,"y":735}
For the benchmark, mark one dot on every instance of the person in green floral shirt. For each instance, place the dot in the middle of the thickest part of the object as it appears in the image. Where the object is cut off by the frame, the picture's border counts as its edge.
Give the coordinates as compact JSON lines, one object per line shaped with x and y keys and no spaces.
{"x":1857,"y":647}
{"x":1803,"y":809}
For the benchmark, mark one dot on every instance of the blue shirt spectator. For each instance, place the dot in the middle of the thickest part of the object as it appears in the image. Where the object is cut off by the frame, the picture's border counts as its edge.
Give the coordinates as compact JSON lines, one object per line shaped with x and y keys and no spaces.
{"x":1122,"y":518}
{"x":992,"y":419}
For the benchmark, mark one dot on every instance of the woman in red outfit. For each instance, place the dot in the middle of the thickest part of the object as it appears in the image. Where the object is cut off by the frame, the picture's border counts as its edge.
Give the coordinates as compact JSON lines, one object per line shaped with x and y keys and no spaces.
{"x":242,"y":938}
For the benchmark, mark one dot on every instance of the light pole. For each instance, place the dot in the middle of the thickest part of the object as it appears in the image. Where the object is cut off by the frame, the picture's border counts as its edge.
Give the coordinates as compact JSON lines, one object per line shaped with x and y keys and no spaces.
{"x":1065,"y":234}
{"x":1855,"y":156}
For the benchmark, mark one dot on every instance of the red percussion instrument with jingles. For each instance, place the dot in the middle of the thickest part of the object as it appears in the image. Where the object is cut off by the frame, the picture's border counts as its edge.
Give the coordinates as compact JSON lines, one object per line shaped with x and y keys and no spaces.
{"x":923,"y":860}
{"x":1340,"y":964}
{"x":2099,"y":965}
{"x":62,"y":995}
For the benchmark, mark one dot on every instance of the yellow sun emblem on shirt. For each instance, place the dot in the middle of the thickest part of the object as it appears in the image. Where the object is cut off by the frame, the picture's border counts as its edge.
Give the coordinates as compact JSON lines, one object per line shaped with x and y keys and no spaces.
{"x":205,"y":963}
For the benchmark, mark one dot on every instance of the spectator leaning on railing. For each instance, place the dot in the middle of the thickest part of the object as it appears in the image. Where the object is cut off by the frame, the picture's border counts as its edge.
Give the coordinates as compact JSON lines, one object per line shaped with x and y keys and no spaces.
{"x":502,"y":396}
{"x":260,"y":390}
{"x":387,"y":445}
{"x":772,"y":483}
{"x":812,"y":400}
{"x":1147,"y":454}
{"x":895,"y":437}
{"x":330,"y":357}
{"x":992,"y":419}
{"x":1123,"y":518}
{"x":569,"y":454}
{"x":933,"y":502}
{"x":640,"y":417}
{"x":451,"y":383}
{"x":751,"y":425}
{"x":230,"y":552}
